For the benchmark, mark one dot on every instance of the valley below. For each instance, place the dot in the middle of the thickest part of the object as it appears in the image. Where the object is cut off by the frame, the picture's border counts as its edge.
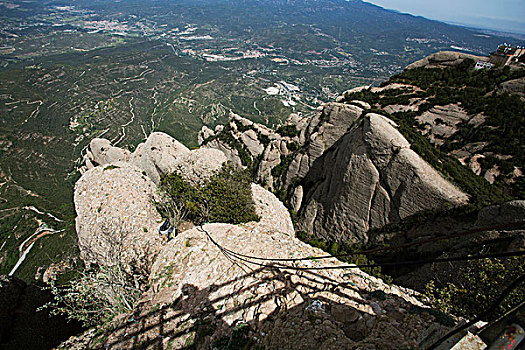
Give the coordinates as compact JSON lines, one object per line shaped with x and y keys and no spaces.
{"x":358,"y":128}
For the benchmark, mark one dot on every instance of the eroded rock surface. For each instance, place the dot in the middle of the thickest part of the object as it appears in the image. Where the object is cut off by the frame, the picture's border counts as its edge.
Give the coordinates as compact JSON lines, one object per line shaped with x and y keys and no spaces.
{"x":273,"y":213}
{"x":200,"y":164}
{"x":441,"y":122}
{"x":158,"y":155}
{"x":200,"y":296}
{"x":369,"y":178}
{"x":102,"y":152}
{"x":115,"y":211}
{"x":444,"y":59}
{"x":206,"y":285}
{"x":346,"y":173}
{"x":515,"y":86}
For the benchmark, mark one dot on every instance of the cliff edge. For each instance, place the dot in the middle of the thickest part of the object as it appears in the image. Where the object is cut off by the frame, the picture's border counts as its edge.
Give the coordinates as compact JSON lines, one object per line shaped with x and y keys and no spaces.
{"x":218,"y":283}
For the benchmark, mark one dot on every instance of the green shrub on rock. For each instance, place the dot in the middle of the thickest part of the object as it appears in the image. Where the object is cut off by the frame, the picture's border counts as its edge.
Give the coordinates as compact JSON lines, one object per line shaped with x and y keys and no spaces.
{"x":224,"y":197}
{"x":477,"y":286}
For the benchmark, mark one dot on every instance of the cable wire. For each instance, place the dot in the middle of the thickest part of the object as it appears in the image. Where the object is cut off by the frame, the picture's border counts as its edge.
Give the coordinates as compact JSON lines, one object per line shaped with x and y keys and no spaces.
{"x":492,"y":323}
{"x":374,"y":250}
{"x":246,"y":258}
{"x":354,"y":266}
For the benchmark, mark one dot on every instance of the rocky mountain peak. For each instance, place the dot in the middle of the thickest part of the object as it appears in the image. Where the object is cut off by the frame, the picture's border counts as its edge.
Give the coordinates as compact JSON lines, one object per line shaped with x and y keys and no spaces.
{"x":201,"y":294}
{"x":343,"y":170}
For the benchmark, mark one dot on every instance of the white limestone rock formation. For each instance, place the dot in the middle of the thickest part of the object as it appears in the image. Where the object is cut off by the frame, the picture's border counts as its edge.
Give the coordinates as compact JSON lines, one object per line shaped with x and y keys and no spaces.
{"x":103,"y":153}
{"x":232,"y":155}
{"x":158,"y":155}
{"x":351,"y":173}
{"x":274,"y":215}
{"x":115,"y":212}
{"x":200,"y":164}
{"x":369,"y":178}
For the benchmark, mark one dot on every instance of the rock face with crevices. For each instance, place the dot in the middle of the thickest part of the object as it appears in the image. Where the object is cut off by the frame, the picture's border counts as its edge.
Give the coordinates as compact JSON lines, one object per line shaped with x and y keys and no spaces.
{"x":202,"y":295}
{"x":345,"y":172}
{"x":369,"y":178}
{"x":102,"y":152}
{"x":515,"y":86}
{"x":199,"y":164}
{"x":158,"y":155}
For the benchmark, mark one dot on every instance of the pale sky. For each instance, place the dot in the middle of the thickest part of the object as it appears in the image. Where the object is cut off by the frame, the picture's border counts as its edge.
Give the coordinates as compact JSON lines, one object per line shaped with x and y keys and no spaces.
{"x":504,"y":15}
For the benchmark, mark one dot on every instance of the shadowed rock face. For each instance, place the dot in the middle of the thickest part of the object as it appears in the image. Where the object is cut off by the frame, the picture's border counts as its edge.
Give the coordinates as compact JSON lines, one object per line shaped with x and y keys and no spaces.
{"x":199,"y":296}
{"x":21,"y":325}
{"x":496,"y":228}
{"x":10,"y":291}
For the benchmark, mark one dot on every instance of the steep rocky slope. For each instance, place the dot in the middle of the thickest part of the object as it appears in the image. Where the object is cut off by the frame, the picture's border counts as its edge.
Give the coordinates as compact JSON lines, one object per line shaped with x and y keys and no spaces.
{"x":110,"y":214}
{"x":474,"y":116}
{"x":344,"y":171}
{"x":496,"y":228}
{"x":368,"y":179}
{"x":202,"y":296}
{"x":355,"y":171}
{"x":363,"y":162}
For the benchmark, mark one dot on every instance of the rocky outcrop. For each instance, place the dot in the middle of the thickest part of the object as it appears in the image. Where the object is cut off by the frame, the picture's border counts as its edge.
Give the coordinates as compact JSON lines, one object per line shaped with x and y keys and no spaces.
{"x":115,"y":211}
{"x":444,"y":59}
{"x":158,"y":155}
{"x":440,"y":122}
{"x":515,"y":86}
{"x":198,"y":165}
{"x":200,"y":296}
{"x":114,"y":201}
{"x":493,"y":229}
{"x":274,"y":215}
{"x":205,"y":285}
{"x":369,"y":178}
{"x":103,"y":153}
{"x":506,"y":213}
{"x":155,"y":157}
{"x":346,"y":174}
